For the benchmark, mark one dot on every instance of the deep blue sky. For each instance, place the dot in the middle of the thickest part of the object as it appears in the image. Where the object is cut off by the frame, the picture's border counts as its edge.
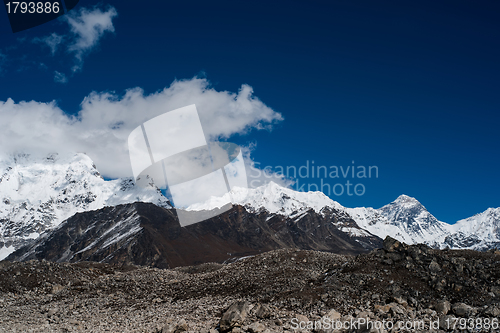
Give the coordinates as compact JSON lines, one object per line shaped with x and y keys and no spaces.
{"x":413,"y":88}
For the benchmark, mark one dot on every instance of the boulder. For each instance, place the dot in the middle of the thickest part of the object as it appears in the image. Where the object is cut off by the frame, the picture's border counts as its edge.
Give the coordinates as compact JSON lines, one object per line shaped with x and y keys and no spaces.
{"x":299,"y":319}
{"x":492,"y":311}
{"x":462,"y":309}
{"x":262,"y":311}
{"x":443,"y":307}
{"x":434,"y":267}
{"x":333,"y":315}
{"x":234,"y":316}
{"x":391,"y":244}
{"x":256,"y":327}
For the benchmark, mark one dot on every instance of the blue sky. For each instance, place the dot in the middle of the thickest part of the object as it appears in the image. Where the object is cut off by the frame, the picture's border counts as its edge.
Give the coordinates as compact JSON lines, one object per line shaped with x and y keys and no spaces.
{"x":410,"y":88}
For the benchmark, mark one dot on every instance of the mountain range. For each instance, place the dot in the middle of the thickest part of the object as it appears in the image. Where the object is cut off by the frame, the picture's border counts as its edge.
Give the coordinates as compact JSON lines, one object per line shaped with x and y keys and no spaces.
{"x":60,"y":208}
{"x":404,"y":219}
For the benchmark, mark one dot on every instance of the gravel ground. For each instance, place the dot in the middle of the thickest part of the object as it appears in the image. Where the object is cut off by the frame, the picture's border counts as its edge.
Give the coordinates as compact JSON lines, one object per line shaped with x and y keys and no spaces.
{"x":271,"y":292}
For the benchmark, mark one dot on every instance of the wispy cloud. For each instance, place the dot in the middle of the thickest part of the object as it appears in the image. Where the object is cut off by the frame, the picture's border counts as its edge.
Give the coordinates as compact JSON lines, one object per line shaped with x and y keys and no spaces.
{"x":87,"y":28}
{"x":52,"y":41}
{"x":60,"y":77}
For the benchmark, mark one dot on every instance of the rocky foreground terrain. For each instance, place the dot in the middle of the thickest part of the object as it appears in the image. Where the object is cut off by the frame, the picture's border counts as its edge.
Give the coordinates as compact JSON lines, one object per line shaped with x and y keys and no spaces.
{"x":275,"y":291}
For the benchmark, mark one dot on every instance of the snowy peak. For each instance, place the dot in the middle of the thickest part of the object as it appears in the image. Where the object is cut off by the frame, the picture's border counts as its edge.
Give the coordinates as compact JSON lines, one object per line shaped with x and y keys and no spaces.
{"x":406,"y":201}
{"x":405,"y":219}
{"x":481,"y":231}
{"x":407,"y":211}
{"x":490,"y":215}
{"x":414,"y":221}
{"x":403,"y":206}
{"x":272,"y":198}
{"x":37,"y":193}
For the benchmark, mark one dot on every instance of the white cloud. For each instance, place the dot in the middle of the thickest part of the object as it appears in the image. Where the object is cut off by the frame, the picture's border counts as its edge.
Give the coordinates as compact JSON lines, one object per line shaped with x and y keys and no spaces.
{"x":52,"y":41}
{"x":87,"y":28}
{"x":257,"y":175}
{"x":105,"y":120}
{"x":60,"y":77}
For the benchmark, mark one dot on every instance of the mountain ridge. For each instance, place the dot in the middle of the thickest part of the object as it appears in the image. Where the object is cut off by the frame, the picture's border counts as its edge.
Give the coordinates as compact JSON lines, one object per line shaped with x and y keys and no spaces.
{"x":145,"y":234}
{"x":404,"y":219}
{"x":39,"y":193}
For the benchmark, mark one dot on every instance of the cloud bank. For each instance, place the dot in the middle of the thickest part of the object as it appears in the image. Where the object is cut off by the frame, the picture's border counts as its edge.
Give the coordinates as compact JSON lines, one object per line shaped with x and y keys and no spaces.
{"x":105,"y":120}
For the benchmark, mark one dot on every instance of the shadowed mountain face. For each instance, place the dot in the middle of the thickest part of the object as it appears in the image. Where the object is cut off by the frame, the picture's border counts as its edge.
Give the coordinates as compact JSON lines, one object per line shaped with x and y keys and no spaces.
{"x":145,"y":234}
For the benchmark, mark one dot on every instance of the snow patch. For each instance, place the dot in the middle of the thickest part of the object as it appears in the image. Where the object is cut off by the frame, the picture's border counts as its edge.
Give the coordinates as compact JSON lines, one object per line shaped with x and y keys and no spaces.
{"x":6,"y":251}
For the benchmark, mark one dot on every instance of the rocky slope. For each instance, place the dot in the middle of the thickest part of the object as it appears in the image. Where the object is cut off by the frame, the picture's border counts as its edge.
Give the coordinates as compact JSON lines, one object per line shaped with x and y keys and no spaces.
{"x":145,"y":234}
{"x":38,"y":193}
{"x":269,"y":292}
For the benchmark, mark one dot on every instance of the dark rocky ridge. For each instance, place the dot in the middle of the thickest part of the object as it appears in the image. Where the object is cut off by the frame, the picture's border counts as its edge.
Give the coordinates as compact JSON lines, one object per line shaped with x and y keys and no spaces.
{"x":263,"y":293}
{"x":145,"y":234}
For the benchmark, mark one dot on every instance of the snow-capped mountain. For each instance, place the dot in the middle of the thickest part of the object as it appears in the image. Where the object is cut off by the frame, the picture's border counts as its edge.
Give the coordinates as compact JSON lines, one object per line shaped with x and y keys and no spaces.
{"x":405,"y":219}
{"x":479,"y":232}
{"x":408,"y":220}
{"x":145,"y":234}
{"x":39,"y":193}
{"x":272,"y":198}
